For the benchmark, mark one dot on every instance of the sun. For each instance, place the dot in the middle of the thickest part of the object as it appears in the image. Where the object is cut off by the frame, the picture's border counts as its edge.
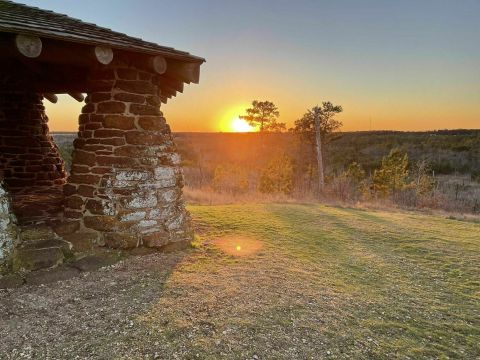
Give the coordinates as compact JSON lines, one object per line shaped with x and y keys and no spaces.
{"x":229,"y":119}
{"x":240,"y":125}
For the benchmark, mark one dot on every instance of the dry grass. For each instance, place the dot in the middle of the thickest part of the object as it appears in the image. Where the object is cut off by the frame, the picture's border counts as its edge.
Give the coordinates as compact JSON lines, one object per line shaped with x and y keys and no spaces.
{"x":207,"y":196}
{"x":327,"y":282}
{"x":350,"y":283}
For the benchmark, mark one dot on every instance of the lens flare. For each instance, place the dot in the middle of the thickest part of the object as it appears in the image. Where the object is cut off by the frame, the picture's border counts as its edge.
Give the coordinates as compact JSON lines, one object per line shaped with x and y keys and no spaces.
{"x":240,"y":246}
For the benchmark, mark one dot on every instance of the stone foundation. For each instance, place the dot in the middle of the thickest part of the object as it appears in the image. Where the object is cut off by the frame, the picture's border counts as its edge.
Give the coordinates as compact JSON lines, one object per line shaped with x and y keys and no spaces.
{"x":124,"y":190}
{"x":8,"y":231}
{"x":28,"y":156}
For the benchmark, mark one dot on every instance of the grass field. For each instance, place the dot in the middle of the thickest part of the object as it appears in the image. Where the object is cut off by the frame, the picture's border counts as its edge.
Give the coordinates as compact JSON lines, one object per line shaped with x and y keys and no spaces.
{"x":327,"y":282}
{"x":268,"y":281}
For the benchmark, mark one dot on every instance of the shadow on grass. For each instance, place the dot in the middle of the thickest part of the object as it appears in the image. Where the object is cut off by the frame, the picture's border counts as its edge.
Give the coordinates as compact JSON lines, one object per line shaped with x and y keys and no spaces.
{"x":93,"y":316}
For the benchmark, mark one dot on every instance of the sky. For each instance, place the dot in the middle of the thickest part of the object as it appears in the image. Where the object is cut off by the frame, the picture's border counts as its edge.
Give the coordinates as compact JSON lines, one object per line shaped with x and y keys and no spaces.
{"x":392,"y":65}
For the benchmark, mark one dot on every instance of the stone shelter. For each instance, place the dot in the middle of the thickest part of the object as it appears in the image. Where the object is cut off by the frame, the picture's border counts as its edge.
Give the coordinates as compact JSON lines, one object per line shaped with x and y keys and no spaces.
{"x":124,"y":189}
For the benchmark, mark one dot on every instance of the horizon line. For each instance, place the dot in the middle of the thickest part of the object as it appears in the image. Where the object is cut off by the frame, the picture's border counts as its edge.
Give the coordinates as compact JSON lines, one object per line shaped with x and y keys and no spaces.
{"x":288,"y":132}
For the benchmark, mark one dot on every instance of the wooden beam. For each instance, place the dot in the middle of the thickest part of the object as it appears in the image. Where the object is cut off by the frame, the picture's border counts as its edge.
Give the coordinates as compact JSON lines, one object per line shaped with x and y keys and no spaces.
{"x":60,"y":79}
{"x":158,"y":64}
{"x":103,"y":54}
{"x":77,"y":96}
{"x":70,"y":85}
{"x":188,"y":72}
{"x":155,"y":64}
{"x":28,"y":45}
{"x":51,"y":97}
{"x":60,"y":52}
{"x":165,"y":90}
{"x":171,"y":82}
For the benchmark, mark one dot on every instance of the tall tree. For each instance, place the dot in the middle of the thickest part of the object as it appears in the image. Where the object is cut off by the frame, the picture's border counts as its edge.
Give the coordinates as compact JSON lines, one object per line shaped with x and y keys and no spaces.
{"x":263,"y":114}
{"x":315,"y":126}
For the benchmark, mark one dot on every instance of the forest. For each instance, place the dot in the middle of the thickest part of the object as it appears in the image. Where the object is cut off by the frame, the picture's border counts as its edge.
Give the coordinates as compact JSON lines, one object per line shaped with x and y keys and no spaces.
{"x":231,"y":167}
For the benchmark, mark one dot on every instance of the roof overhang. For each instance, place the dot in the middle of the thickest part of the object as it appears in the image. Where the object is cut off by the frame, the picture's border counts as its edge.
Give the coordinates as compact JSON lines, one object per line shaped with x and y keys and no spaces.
{"x":42,"y":41}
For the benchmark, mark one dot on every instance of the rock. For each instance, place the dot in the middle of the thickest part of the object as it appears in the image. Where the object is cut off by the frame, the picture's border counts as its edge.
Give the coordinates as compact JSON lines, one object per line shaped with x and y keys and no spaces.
{"x":65,"y":246}
{"x":156,"y":239}
{"x":34,"y":233}
{"x":67,"y":227}
{"x":132,"y":175}
{"x":35,"y":259}
{"x":51,"y":275}
{"x":82,"y":241}
{"x":139,"y":200}
{"x":8,"y":230}
{"x":165,"y":175}
{"x":11,"y":281}
{"x":133,"y":216}
{"x":121,"y":241}
{"x":174,"y":246}
{"x":100,"y":222}
{"x":94,"y":262}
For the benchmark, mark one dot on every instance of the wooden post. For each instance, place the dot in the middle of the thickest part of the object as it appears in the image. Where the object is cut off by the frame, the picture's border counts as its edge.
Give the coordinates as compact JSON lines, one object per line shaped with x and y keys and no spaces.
{"x":51,"y":97}
{"x":28,"y":45}
{"x":77,"y":96}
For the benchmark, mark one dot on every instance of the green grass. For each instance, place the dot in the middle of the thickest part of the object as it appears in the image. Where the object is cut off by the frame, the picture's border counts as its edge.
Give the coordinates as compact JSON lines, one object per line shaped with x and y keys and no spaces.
{"x":308,"y":282}
{"x":328,"y":282}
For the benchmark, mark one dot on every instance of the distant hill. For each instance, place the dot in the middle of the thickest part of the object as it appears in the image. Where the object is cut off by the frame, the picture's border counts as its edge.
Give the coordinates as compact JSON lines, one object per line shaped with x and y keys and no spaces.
{"x":448,"y":151}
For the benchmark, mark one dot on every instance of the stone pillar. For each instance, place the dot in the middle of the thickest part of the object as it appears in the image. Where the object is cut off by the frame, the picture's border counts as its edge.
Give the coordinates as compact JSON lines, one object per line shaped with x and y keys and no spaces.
{"x":28,"y":155}
{"x":8,"y":231}
{"x":125,"y":184}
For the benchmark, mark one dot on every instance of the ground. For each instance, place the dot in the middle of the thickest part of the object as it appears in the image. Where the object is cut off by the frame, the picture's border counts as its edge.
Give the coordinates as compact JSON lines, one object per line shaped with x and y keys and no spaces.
{"x":268,"y":281}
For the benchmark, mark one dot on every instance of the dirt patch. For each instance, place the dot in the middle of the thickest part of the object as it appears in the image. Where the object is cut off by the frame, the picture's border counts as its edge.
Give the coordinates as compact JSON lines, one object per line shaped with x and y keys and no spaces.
{"x":90,"y":316}
{"x":238,"y":245}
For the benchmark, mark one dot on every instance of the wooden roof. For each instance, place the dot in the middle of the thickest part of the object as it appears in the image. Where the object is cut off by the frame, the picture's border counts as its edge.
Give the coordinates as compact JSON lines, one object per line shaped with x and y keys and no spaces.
{"x":20,"y":18}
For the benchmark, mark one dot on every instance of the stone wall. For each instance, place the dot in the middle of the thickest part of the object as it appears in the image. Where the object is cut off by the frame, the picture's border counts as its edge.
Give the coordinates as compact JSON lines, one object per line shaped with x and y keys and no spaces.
{"x":8,"y":231}
{"x":28,"y":155}
{"x":125,"y":185}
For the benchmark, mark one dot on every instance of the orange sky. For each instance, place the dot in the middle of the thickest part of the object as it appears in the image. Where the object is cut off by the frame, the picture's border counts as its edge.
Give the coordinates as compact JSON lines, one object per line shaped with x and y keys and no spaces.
{"x":404,"y":65}
{"x":196,"y":111}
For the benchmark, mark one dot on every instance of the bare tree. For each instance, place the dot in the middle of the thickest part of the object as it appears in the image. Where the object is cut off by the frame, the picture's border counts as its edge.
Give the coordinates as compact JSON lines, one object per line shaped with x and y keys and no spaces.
{"x":315,"y":125}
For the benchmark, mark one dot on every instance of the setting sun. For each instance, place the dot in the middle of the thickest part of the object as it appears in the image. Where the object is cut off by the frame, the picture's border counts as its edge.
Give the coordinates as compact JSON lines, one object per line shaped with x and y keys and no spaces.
{"x":240,"y":125}
{"x":229,"y":119}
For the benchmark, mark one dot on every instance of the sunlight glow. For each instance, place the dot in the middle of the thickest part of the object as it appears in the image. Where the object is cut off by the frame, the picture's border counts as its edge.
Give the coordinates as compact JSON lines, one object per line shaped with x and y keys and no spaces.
{"x":240,"y":125}
{"x":229,"y":119}
{"x":238,"y":248}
